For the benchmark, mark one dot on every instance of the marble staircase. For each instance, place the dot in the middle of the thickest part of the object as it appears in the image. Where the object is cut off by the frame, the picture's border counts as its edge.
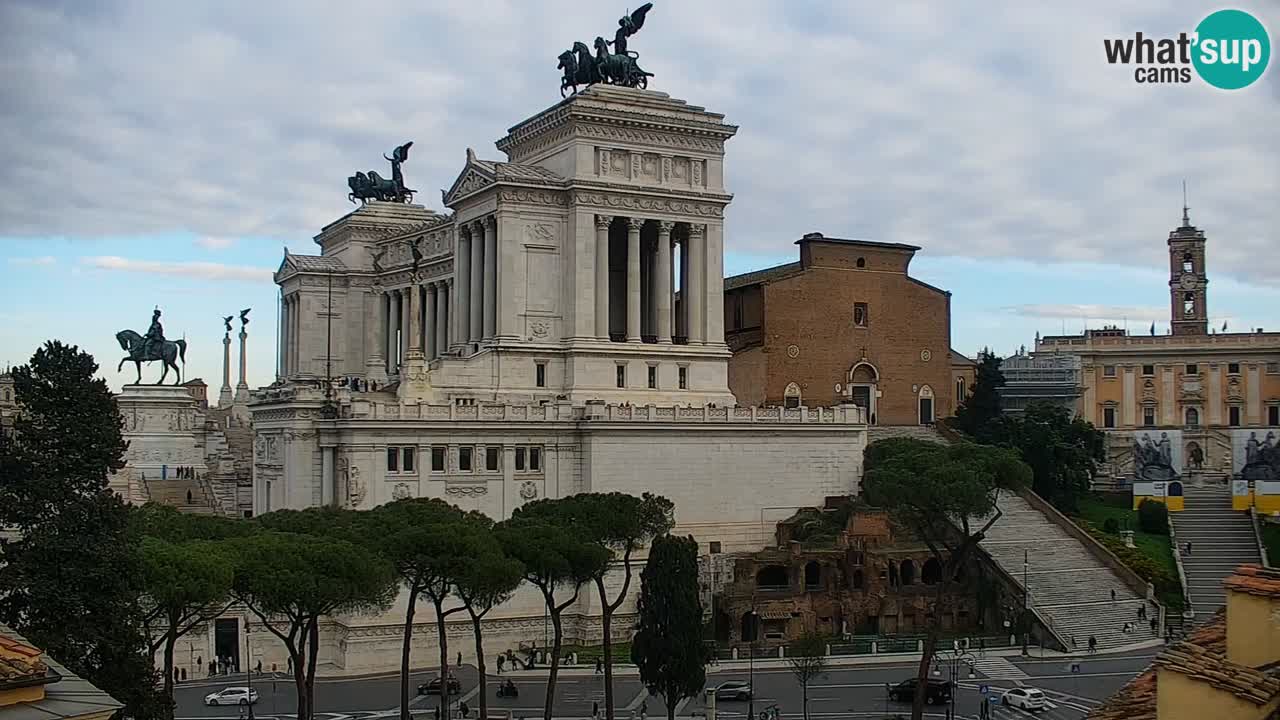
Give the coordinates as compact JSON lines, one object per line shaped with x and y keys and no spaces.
{"x":1221,"y":540}
{"x":175,"y":492}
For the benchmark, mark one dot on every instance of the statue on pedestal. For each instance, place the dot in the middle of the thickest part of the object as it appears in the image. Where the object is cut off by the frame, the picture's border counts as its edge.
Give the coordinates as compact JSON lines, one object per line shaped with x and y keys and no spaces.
{"x":618,"y":67}
{"x":152,"y":347}
{"x":375,"y":187}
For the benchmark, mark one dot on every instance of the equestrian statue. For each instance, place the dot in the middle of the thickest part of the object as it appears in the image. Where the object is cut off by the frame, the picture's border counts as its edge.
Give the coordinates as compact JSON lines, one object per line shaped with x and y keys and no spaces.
{"x":372,"y":186}
{"x":152,"y":347}
{"x":615,"y":68}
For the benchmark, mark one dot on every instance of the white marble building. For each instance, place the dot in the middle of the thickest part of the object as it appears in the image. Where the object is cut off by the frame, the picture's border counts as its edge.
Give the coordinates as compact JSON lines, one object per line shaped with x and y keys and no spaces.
{"x":561,"y":331}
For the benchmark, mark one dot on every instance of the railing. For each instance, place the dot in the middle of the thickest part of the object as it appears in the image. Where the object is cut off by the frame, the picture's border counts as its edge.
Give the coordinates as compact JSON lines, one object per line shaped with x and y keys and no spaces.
{"x":599,"y":412}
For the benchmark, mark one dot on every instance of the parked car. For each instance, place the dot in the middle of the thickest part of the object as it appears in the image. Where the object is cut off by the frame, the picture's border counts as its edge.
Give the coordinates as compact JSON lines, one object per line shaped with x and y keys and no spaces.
{"x":1025,"y":699}
{"x":232,"y":696}
{"x":938,"y":692}
{"x":432,"y":686}
{"x":734,"y":690}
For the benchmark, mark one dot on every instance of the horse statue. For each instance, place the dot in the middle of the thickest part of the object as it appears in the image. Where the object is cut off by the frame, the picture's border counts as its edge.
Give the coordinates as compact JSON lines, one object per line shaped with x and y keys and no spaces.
{"x":375,"y":187}
{"x":169,"y":352}
{"x":619,"y":68}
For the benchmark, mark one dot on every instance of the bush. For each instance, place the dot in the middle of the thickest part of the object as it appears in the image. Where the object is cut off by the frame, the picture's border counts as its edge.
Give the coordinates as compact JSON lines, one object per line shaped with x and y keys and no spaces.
{"x":1153,"y":517}
{"x":1111,"y":525}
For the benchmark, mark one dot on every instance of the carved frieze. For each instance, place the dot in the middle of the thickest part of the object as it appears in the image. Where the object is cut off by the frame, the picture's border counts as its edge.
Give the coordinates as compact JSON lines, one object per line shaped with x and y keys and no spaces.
{"x":529,"y":490}
{"x":466,"y":490}
{"x":646,"y":137}
{"x":539,"y":328}
{"x":534,"y":197}
{"x":617,"y":201}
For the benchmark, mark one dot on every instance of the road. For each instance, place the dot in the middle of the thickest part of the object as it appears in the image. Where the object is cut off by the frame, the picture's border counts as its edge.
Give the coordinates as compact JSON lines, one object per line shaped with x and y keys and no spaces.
{"x":857,"y":691}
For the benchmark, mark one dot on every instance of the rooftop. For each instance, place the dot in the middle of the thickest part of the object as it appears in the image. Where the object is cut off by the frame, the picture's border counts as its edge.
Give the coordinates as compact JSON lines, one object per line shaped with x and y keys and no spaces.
{"x":1255,"y":580}
{"x":66,"y":695}
{"x":819,"y":237}
{"x":758,"y":276}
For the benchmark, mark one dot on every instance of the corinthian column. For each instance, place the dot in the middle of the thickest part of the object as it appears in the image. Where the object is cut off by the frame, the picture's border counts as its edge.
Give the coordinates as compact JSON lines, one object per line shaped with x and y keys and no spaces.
{"x":429,"y":321}
{"x":662,"y":281}
{"x":633,"y":279}
{"x":393,"y":329}
{"x":462,"y":286}
{"x":490,"y":277}
{"x":475,"y":327}
{"x":602,"y":276}
{"x":442,"y":316}
{"x":697,"y":285}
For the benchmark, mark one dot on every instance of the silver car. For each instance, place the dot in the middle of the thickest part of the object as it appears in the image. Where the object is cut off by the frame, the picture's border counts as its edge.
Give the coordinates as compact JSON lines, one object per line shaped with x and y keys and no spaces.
{"x":232,"y":696}
{"x":734,"y":690}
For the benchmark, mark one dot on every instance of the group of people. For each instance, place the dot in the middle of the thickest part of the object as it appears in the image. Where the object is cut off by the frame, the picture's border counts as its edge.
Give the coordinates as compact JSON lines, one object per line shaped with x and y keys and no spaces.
{"x":509,"y":659}
{"x":222,"y":665}
{"x":184,"y":472}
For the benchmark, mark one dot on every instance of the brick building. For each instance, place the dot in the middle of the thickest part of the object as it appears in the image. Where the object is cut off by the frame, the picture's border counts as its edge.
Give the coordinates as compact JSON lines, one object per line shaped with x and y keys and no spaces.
{"x":845,"y":323}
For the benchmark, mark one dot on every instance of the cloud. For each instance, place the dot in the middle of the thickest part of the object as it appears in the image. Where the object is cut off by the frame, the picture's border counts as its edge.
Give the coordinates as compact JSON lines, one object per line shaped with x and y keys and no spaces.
{"x":1001,"y":133}
{"x":214,"y":242}
{"x":202,"y":270}
{"x":42,"y":260}
{"x":1117,"y":313}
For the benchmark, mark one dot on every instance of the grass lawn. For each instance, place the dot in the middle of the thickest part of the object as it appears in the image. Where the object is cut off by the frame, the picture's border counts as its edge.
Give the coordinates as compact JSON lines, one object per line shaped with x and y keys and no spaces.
{"x":1096,"y":509}
{"x":1271,"y":539}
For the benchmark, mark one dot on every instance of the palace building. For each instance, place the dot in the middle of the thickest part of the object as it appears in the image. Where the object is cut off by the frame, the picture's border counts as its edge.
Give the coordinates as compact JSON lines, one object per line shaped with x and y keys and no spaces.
{"x":1207,"y":392}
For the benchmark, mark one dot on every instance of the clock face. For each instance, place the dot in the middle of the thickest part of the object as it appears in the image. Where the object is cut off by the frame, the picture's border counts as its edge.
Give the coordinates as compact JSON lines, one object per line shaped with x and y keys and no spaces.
{"x":1188,"y":282}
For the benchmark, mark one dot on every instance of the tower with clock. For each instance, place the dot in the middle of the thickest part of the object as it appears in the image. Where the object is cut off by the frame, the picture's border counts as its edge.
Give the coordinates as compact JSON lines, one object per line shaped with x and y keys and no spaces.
{"x":1188,"y":285}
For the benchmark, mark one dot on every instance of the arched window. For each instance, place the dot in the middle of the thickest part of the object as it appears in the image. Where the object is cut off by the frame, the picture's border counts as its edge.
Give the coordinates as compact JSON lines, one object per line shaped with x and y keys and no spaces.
{"x":1188,"y":262}
{"x":931,"y":571}
{"x":862,"y":262}
{"x":772,"y":576}
{"x":959,"y":389}
{"x":750,"y":626}
{"x":893,"y":574}
{"x":908,"y":572}
{"x":791,"y":396}
{"x":1189,"y":303}
{"x":1193,"y":417}
{"x":812,"y":575}
{"x":926,"y":405}
{"x":858,"y":579}
{"x":6,"y":396}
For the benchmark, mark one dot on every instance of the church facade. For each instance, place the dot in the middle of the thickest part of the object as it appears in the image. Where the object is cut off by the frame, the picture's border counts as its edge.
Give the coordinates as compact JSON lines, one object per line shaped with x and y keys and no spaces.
{"x":560,"y":329}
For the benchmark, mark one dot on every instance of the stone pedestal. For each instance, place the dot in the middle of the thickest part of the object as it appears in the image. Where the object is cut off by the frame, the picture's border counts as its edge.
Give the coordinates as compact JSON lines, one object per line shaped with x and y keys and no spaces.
{"x":160,"y":424}
{"x":224,"y":396}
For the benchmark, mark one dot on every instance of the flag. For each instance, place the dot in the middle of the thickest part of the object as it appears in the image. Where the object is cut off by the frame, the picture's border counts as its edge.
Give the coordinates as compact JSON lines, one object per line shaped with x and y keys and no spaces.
{"x":1224,"y":326}
{"x":1153,"y":328}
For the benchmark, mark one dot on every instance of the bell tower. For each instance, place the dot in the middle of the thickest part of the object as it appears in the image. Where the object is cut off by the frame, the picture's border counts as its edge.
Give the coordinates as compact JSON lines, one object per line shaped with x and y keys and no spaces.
{"x":1188,"y":284}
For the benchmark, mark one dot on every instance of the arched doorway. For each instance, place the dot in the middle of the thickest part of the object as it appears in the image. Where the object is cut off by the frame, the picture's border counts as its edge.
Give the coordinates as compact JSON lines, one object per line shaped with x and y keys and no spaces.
{"x":791,"y":396}
{"x":931,"y":571}
{"x":861,"y":387}
{"x":908,"y":572}
{"x":926,"y":405}
{"x":812,"y":575}
{"x":750,"y":627}
{"x":722,"y":626}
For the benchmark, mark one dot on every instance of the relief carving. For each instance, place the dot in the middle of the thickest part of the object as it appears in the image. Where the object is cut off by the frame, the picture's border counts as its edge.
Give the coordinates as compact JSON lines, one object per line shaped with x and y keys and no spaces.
{"x":604,"y":162}
{"x":467,"y":490}
{"x":534,"y":197}
{"x":697,"y":173}
{"x":539,"y":328}
{"x":539,"y":234}
{"x":528,"y":490}
{"x":666,"y":169}
{"x":662,"y":205}
{"x":401,"y":491}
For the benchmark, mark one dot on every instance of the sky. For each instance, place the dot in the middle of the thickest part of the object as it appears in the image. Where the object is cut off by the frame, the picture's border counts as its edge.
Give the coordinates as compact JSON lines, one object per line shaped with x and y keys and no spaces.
{"x":157,"y":153}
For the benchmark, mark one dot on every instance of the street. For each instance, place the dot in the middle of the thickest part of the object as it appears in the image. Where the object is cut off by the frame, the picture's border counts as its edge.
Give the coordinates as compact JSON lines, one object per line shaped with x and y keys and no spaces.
{"x":848,"y":691}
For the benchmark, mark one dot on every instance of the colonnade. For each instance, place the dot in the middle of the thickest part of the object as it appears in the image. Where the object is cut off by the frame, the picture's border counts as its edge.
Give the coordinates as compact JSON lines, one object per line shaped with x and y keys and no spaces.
{"x":415,"y":321}
{"x":649,"y":285}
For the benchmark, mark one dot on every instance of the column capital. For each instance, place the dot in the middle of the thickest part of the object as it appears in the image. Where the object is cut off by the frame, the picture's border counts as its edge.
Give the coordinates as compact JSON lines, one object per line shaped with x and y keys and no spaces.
{"x":463,"y":230}
{"x":603,"y":222}
{"x":665,"y":227}
{"x":697,"y":230}
{"x":635,"y":223}
{"x":490,"y":222}
{"x":478,"y":226}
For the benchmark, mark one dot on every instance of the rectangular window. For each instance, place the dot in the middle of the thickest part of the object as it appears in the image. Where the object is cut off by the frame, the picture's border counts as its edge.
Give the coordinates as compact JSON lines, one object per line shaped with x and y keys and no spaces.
{"x":1148,"y":417}
{"x":393,"y":459}
{"x":1108,"y":371}
{"x":1193,"y":369}
{"x":1233,"y":416}
{"x":715,"y":547}
{"x":1108,"y":417}
{"x":684,"y":378}
{"x":491,"y":457}
{"x":1273,"y":368}
{"x":1273,"y":415}
{"x":464,"y":459}
{"x":409,"y":457}
{"x":535,"y":459}
{"x":622,"y":376}
{"x":653,"y":378}
{"x":437,"y":458}
{"x":1233,"y":368}
{"x":519,"y":458}
{"x":540,"y":374}
{"x":860,"y":318}
{"x":1148,"y":370}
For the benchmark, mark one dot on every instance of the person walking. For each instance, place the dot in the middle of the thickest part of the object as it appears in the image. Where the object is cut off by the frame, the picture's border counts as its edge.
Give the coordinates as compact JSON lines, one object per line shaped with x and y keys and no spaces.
{"x":1154,"y":625}
{"x":459,"y":663}
{"x":644,"y":710}
{"x":595,"y":710}
{"x":599,"y":666}
{"x":1113,"y":595}
{"x":502,"y":660}
{"x":1093,"y":645}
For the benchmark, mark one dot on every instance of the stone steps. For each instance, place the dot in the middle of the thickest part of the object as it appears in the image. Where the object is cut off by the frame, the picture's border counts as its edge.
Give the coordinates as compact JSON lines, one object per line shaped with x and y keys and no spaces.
{"x":1221,"y":540}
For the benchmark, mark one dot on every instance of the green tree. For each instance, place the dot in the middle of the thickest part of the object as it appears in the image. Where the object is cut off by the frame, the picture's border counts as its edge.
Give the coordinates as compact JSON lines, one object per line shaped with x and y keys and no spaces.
{"x":489,"y":578}
{"x":807,"y":658}
{"x":1062,"y":449}
{"x":424,"y":541}
{"x":668,"y":647}
{"x":70,"y":580}
{"x":622,"y":524}
{"x":983,"y":403}
{"x":290,"y":581}
{"x":946,"y":495}
{"x":558,"y":562}
{"x":186,"y":584}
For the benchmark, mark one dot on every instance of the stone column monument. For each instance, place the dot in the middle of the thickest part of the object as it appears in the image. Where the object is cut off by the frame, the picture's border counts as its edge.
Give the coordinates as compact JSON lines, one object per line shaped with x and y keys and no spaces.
{"x":242,"y":387}
{"x":224,"y":397}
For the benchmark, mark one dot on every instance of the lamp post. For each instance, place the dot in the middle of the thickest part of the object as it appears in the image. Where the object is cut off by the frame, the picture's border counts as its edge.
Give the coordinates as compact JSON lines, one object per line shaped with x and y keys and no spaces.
{"x":953,"y":658}
{"x":248,"y":667}
{"x":1026,"y":601}
{"x":751,"y":664}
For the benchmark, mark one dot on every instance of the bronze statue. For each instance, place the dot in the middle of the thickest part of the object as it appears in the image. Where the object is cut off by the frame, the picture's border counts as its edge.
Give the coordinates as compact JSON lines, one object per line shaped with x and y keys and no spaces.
{"x":374,"y":187}
{"x":244,"y":317}
{"x":226,"y":322}
{"x":416,"y":251}
{"x":152,"y":347}
{"x":618,"y":67}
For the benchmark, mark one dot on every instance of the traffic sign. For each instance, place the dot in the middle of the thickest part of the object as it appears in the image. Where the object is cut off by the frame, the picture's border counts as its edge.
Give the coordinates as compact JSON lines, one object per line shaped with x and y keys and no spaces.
{"x":984,"y":689}
{"x":1075,"y":667}
{"x":993,"y":699}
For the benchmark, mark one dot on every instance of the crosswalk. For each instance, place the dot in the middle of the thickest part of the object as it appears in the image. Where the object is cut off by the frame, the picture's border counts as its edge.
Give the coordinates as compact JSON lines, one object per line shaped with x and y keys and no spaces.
{"x":998,"y":668}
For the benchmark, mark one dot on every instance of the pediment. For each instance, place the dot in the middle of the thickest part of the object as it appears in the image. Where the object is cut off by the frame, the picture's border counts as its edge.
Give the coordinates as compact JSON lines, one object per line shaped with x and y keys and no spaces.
{"x":474,"y":176}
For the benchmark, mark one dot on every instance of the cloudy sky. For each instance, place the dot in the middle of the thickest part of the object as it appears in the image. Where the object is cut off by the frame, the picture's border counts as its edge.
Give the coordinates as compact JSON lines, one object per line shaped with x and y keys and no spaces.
{"x":165,"y":153}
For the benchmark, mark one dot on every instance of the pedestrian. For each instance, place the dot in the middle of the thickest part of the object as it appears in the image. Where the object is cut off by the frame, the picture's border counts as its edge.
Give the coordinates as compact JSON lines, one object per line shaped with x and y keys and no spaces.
{"x":242,"y":712}
{"x":1093,"y":644}
{"x":1154,"y":625}
{"x":599,"y":665}
{"x":1113,"y":595}
{"x":188,"y":497}
{"x":459,"y":663}
{"x":213,"y":667}
{"x":644,"y":710}
{"x":1073,"y":642}
{"x":259,"y":666}
{"x":437,"y":713}
{"x":184,"y":674}
{"x":1188,"y":549}
{"x":199,"y":661}
{"x":502,"y":659}
{"x":595,"y":711}
{"x":175,"y":675}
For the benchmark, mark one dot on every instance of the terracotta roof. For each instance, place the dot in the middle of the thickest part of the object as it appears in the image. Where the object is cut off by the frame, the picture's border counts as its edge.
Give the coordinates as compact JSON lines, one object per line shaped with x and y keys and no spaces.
{"x":66,"y":696}
{"x":1137,"y":699}
{"x":1255,"y":580}
{"x":19,"y":661}
{"x":758,"y":276}
{"x":1215,"y":669}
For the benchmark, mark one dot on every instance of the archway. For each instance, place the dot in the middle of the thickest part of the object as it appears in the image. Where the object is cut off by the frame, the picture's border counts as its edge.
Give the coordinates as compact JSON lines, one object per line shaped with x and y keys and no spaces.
{"x":791,"y":396}
{"x":812,"y":575}
{"x":931,"y":571}
{"x":858,"y":579}
{"x":1193,"y":417}
{"x":861,"y":387}
{"x":893,"y":574}
{"x":772,"y":576}
{"x":722,"y":626}
{"x":908,"y":573}
{"x":926,"y":405}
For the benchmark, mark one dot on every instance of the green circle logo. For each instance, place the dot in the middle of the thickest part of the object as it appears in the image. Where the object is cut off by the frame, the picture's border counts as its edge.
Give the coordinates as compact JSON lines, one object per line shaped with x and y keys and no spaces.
{"x":1231,"y":49}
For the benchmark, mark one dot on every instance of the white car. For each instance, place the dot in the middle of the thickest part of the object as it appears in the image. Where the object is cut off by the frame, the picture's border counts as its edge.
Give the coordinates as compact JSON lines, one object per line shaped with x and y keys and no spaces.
{"x":232,"y":696}
{"x":1025,"y":699}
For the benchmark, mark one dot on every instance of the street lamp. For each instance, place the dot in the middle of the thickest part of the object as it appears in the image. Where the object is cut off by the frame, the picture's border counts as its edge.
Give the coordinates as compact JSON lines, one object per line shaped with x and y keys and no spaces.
{"x":248,"y":667}
{"x":1026,"y":601}
{"x":751,"y":665}
{"x":953,"y":658}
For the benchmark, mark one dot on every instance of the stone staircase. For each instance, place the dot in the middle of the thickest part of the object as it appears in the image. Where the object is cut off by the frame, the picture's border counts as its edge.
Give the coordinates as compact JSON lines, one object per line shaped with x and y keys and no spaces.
{"x":1067,"y":585}
{"x":1221,"y":540}
{"x":174,"y":492}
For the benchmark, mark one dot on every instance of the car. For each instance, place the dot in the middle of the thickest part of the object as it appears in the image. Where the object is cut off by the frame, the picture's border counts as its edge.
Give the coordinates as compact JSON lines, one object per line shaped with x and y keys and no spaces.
{"x":432,"y":686}
{"x":232,"y":696}
{"x":1025,"y":699}
{"x":734,"y":690}
{"x":938,"y":692}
